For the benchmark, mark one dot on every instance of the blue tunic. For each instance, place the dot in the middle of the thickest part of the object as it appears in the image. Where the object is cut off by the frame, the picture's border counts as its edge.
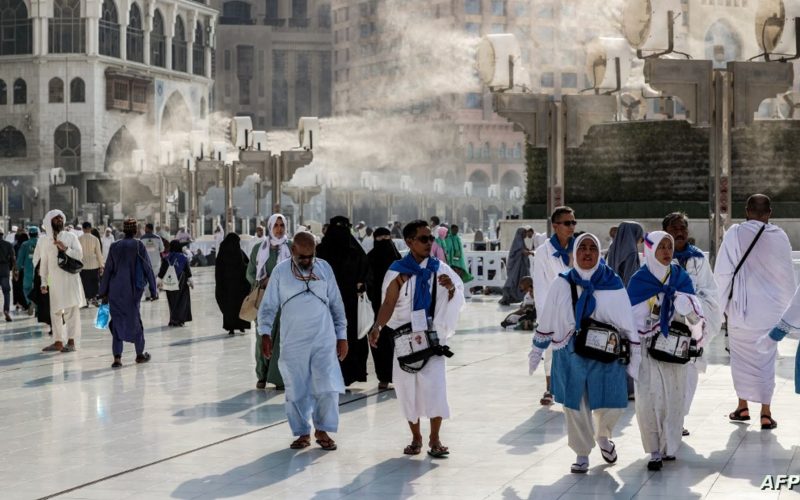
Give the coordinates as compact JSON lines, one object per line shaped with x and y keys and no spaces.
{"x":604,"y":384}
{"x":119,"y":285}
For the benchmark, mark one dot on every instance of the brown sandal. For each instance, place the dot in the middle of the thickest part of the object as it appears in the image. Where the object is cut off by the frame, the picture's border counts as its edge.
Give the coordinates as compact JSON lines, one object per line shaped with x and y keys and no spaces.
{"x":413,"y":449}
{"x":737,"y":415}
{"x":327,"y":444}
{"x":300,"y":443}
{"x":438,"y":450}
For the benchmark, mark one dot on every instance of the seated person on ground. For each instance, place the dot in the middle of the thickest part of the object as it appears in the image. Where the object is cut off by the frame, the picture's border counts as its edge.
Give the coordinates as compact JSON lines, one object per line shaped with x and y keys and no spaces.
{"x":525,"y":317}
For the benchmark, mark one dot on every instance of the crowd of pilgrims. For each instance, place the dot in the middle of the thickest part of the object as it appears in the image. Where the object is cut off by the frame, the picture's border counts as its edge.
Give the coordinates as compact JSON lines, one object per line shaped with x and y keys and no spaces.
{"x":615,"y":325}
{"x":610,"y":325}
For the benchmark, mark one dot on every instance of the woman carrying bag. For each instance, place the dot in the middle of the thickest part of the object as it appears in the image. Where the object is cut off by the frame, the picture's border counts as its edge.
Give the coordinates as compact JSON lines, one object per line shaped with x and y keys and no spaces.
{"x":175,"y":267}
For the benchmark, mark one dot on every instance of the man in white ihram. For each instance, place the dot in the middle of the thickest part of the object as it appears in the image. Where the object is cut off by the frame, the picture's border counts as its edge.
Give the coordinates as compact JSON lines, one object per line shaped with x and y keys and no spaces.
{"x":754,"y":300}
{"x":65,"y":289}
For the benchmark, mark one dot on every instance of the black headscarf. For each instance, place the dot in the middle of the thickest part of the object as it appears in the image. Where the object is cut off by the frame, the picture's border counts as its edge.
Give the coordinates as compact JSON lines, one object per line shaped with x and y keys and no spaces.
{"x":229,"y":250}
{"x":175,"y":246}
{"x":383,"y":253}
{"x":338,"y":242}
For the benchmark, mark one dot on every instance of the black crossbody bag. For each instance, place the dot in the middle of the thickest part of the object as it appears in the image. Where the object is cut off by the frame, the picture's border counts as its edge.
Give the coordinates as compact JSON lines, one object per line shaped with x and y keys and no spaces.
{"x":678,"y":347}
{"x":599,"y":341}
{"x":412,"y":361}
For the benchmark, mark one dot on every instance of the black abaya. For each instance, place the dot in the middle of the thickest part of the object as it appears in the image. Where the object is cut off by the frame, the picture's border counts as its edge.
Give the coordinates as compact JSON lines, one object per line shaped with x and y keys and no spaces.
{"x":349,"y":262}
{"x":232,"y":286}
{"x":380,"y":258}
{"x":180,"y":300}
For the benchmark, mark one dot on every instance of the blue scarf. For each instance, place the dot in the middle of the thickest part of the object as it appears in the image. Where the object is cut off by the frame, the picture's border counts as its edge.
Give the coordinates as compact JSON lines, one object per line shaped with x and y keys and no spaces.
{"x":604,"y":278}
{"x":689,"y":252}
{"x":644,"y":285}
{"x":564,"y":253}
{"x":422,"y":292}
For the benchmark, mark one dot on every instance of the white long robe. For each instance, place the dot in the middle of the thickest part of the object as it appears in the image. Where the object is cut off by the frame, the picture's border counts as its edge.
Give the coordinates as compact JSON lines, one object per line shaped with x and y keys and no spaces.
{"x":705,"y":287}
{"x":546,"y":269}
{"x":65,"y":289}
{"x":661,"y":387}
{"x":761,"y":291}
{"x":424,"y":394}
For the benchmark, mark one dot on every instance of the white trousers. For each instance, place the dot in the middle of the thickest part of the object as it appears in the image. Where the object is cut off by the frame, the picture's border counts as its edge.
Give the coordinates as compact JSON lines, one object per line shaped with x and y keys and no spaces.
{"x":692,"y":376}
{"x":66,"y":324}
{"x":548,"y":362}
{"x":585,"y":426}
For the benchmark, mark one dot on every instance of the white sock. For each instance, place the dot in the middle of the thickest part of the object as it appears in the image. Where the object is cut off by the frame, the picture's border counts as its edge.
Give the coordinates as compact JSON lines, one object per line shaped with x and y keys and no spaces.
{"x":582,"y":460}
{"x":655,"y":455}
{"x":604,"y":443}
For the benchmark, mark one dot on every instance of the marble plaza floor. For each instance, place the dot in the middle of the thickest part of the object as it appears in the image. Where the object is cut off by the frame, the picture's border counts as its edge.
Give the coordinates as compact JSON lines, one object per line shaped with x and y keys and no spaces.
{"x":190,"y":424}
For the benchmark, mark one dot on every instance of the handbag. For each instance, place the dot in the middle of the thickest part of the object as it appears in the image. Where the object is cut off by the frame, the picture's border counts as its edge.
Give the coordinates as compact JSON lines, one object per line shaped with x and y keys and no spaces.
{"x":596,"y":340}
{"x":249,"y":309}
{"x":413,"y":350}
{"x":103,"y":317}
{"x":678,"y":347}
{"x":366,"y":316}
{"x":68,"y":264}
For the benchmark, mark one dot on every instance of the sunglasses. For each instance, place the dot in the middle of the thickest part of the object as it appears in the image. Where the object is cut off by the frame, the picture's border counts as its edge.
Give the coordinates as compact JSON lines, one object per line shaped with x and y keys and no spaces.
{"x":567,"y":223}
{"x":426,"y":239}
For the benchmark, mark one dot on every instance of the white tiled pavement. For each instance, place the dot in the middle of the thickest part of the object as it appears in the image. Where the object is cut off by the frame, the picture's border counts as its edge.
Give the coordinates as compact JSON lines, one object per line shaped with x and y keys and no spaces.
{"x":190,"y":424}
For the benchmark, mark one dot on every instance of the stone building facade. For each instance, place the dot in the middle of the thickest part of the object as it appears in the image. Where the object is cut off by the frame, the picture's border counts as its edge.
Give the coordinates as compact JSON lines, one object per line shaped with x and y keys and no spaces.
{"x":83,"y":83}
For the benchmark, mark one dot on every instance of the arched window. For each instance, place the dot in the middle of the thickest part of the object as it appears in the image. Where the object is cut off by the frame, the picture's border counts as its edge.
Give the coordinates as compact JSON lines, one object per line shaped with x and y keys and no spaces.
{"x":15,"y":28}
{"x":55,"y":90}
{"x":135,"y":35}
{"x":486,"y":150}
{"x":518,"y":150}
{"x":236,"y":12}
{"x":109,"y":30}
{"x":77,"y":90}
{"x":198,"y":51}
{"x":470,"y":151}
{"x":20,"y":91}
{"x":12,"y":143}
{"x":158,"y":42}
{"x":3,"y":93}
{"x":67,"y":147}
{"x":501,"y":153}
{"x":67,"y":32}
{"x":179,"y":46}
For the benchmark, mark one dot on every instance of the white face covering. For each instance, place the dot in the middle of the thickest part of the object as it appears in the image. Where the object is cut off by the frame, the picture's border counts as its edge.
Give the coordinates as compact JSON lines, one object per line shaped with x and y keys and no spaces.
{"x":586,"y":274}
{"x":651,"y":242}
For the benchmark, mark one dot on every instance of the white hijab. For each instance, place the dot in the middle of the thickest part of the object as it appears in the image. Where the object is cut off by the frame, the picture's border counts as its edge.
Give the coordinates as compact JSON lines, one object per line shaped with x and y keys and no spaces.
{"x":272,"y":241}
{"x":585,"y":274}
{"x":651,"y":242}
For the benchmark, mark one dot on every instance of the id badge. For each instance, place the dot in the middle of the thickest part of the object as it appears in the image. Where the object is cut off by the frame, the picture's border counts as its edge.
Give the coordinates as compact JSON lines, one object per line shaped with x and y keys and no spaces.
{"x":419,"y":320}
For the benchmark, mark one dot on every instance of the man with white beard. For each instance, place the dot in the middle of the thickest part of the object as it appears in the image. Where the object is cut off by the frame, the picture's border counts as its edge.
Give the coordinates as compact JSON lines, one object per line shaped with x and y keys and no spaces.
{"x":64,"y":288}
{"x":755,"y":276}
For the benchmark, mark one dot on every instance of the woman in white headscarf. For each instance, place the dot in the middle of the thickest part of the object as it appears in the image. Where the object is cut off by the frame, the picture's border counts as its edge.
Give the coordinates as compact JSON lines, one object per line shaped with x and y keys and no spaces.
{"x":660,"y":293}
{"x":263,"y":258}
{"x":593,"y":391}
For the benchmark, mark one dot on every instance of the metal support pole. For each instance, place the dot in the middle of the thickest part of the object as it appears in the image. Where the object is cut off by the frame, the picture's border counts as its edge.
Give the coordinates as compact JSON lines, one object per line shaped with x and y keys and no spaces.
{"x":192,"y":195}
{"x":228,"y":176}
{"x":162,"y":208}
{"x":555,"y":159}
{"x":350,"y":195}
{"x":275,"y":171}
{"x":720,"y":152}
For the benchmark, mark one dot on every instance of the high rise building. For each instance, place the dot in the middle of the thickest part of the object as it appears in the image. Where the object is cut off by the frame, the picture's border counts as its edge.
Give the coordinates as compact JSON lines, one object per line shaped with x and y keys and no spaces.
{"x":274,"y":60}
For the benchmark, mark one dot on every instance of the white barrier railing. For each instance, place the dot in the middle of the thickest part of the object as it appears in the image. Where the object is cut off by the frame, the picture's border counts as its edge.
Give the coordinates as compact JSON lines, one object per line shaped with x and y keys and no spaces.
{"x":488,"y":268}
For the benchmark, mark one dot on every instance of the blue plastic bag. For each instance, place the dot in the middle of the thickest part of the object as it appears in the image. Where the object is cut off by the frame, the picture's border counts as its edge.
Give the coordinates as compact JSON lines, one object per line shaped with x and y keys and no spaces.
{"x":103,"y":317}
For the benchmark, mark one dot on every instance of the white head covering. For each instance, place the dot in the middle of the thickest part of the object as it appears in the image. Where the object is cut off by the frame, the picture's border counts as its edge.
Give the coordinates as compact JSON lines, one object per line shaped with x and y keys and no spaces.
{"x":651,"y":242}
{"x":47,"y":227}
{"x":272,"y":241}
{"x":586,"y":274}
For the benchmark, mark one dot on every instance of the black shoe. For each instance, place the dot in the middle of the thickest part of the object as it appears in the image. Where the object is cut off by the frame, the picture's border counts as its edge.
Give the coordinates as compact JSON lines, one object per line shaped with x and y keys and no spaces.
{"x":143,"y":358}
{"x":261,"y":384}
{"x":655,"y":465}
{"x":8,"y":316}
{"x":117,"y":363}
{"x":668,"y":458}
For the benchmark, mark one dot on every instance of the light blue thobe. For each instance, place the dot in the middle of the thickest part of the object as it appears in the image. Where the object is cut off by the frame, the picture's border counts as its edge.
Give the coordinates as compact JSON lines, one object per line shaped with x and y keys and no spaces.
{"x":312,"y":320}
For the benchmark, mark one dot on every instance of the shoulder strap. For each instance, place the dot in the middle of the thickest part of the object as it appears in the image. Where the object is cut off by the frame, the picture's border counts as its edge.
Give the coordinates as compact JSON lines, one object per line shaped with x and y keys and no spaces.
{"x":433,"y":296}
{"x":574,"y":289}
{"x":744,"y":258}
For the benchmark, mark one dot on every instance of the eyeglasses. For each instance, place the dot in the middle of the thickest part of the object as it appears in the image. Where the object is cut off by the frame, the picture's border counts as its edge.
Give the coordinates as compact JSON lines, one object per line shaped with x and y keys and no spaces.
{"x":425,"y":239}
{"x":567,"y":223}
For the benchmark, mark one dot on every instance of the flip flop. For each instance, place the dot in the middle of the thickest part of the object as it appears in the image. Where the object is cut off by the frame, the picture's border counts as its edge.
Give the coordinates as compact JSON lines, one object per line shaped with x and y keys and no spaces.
{"x":579,"y":468}
{"x":547,"y":399}
{"x":438,"y":451}
{"x":327,"y":444}
{"x":610,"y":456}
{"x":300,"y":443}
{"x":413,"y":449}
